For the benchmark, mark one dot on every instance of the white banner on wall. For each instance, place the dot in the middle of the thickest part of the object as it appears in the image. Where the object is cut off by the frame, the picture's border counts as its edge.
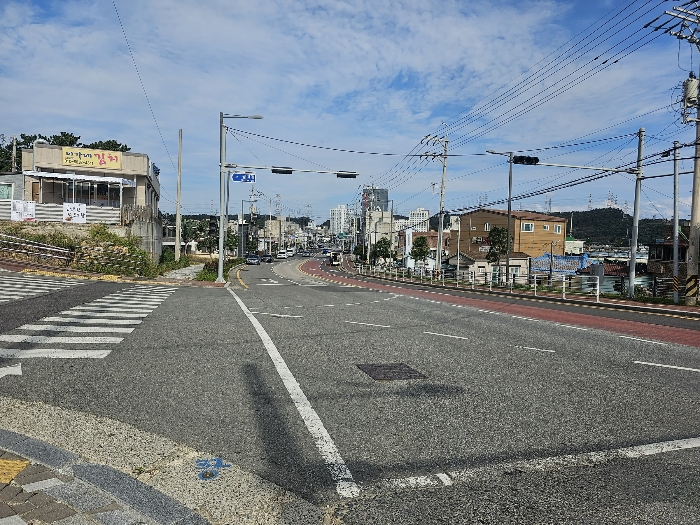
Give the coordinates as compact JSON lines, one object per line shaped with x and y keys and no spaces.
{"x":74,"y":212}
{"x":22,"y":210}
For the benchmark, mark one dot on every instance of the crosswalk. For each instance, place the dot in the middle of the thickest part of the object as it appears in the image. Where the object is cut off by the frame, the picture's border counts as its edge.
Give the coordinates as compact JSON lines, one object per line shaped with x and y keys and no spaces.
{"x":14,"y":287}
{"x":85,"y":331}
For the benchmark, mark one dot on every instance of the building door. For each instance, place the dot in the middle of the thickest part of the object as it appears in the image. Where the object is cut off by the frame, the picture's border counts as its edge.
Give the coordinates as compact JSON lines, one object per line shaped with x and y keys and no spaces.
{"x":35,"y":191}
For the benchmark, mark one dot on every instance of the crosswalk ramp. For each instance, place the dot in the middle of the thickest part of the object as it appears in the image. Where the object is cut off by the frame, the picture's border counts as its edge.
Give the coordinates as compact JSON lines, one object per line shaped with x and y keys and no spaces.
{"x":85,"y":331}
{"x":14,"y":286}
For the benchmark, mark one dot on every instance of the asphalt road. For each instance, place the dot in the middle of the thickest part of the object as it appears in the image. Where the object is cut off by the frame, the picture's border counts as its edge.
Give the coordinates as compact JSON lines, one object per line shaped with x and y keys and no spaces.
{"x":524,"y":414}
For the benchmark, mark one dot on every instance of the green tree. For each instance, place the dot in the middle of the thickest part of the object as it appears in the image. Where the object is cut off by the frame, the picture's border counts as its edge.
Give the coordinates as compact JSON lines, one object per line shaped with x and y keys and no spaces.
{"x":498,"y":245}
{"x":192,"y":230}
{"x":381,"y":249}
{"x":232,"y":241}
{"x":251,"y":246}
{"x":110,"y":145}
{"x":420,"y":249}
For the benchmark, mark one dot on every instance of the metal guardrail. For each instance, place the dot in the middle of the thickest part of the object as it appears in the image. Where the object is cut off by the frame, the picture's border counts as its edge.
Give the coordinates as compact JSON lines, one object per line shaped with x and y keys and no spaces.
{"x":18,"y":248}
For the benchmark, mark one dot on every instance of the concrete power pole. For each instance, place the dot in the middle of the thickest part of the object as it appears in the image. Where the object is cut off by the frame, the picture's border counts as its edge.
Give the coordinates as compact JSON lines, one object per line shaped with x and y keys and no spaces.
{"x":443,"y":141}
{"x":177,"y":204}
{"x":684,"y":23}
{"x":635,"y":220}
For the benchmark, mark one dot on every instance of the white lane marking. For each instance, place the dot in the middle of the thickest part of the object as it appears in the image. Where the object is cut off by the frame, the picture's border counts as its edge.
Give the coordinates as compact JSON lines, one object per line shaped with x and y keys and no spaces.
{"x":149,"y":302}
{"x":643,"y":340}
{"x":68,"y":328}
{"x":444,"y":478}
{"x":105,"y":309}
{"x":12,"y":370}
{"x":271,"y":284}
{"x":102,"y":314}
{"x":548,"y":464}
{"x":58,"y":339}
{"x":276,"y":315}
{"x":90,"y":321}
{"x":447,"y":335}
{"x":345,"y":485}
{"x":411,"y":482}
{"x":571,"y":326}
{"x":532,"y":348}
{"x":667,"y":366}
{"x":326,"y":305}
{"x":53,"y":353}
{"x":369,"y":324}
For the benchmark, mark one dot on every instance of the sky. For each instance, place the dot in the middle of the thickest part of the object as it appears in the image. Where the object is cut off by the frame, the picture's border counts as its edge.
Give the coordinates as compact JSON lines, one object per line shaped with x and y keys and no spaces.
{"x":574,"y":80}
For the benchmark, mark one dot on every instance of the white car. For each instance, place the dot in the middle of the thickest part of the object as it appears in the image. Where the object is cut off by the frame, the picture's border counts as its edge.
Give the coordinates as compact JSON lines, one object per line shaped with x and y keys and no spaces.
{"x":282,"y":255}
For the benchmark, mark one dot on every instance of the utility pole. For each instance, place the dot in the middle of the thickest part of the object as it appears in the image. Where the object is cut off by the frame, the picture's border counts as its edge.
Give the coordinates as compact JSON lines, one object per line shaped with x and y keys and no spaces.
{"x":678,"y":24}
{"x":14,"y":154}
{"x":179,"y":192}
{"x":635,"y":220}
{"x":675,"y":222}
{"x":443,"y":141}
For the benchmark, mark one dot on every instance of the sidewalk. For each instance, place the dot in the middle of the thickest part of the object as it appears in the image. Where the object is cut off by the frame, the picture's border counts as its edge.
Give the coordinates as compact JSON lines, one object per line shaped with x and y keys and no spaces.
{"x":40,"y":483}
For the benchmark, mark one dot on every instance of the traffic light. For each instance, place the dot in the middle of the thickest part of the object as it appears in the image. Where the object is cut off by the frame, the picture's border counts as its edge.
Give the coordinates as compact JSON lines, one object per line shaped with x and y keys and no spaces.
{"x":522,"y":159}
{"x":213,"y":225}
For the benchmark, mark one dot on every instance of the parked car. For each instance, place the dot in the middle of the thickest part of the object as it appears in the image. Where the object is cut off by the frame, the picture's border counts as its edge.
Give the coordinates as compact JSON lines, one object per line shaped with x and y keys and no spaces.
{"x":252,"y":259}
{"x":282,"y":255}
{"x":267,"y":258}
{"x":450,"y":270}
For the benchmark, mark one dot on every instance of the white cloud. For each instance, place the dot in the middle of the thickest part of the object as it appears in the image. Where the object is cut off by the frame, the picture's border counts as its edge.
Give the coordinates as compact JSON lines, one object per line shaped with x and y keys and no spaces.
{"x":360,"y":75}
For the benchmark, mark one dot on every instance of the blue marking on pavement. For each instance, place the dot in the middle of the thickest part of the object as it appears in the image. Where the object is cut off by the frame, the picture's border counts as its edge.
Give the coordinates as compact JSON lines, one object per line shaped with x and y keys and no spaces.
{"x":209,"y":468}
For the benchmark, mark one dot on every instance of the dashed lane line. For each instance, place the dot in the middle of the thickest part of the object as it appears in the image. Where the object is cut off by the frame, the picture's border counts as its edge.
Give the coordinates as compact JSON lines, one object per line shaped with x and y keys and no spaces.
{"x":667,"y":366}
{"x":644,"y":340}
{"x":53,"y":353}
{"x":535,"y":349}
{"x":447,"y":335}
{"x":368,"y":324}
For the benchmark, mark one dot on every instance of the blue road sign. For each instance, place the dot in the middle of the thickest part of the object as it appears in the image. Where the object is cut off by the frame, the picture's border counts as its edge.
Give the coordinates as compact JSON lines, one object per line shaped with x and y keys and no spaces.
{"x":243,"y":177}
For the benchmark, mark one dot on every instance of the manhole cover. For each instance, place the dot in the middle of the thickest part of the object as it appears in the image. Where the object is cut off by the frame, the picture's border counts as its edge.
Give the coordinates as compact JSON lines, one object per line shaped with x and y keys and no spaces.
{"x":390,"y":372}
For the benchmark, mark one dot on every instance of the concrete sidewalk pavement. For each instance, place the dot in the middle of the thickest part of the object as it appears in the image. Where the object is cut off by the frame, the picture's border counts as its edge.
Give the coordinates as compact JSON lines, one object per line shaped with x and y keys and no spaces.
{"x":62,"y":466}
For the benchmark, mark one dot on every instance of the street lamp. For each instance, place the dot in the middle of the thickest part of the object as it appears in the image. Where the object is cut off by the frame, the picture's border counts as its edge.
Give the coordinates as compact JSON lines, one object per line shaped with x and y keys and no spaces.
{"x":222,"y":187}
{"x":508,"y":154}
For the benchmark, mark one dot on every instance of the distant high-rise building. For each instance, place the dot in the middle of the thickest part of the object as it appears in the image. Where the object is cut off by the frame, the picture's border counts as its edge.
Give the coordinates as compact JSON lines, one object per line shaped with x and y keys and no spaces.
{"x":375,"y":198}
{"x":340,"y":219}
{"x":419,"y":220}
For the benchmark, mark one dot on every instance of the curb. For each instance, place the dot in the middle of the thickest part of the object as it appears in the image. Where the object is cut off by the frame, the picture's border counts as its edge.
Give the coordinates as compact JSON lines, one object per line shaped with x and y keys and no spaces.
{"x":137,"y":501}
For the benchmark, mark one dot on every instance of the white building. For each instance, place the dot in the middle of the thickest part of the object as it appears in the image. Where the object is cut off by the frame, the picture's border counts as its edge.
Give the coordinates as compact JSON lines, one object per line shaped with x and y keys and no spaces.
{"x":419,"y":220}
{"x":340,"y":219}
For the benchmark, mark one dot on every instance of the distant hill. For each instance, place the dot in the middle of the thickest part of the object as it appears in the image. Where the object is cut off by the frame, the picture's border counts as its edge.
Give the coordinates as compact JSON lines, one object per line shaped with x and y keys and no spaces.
{"x":610,"y":226}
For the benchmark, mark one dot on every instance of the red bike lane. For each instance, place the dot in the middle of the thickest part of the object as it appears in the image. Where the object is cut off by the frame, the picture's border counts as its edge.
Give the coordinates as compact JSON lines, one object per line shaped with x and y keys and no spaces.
{"x":656,"y":332}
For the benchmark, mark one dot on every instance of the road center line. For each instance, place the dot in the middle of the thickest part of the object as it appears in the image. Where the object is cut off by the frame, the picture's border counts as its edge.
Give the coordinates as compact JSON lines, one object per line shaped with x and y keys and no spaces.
{"x":345,"y":484}
{"x":369,"y":324}
{"x":447,"y":335}
{"x":667,"y":366}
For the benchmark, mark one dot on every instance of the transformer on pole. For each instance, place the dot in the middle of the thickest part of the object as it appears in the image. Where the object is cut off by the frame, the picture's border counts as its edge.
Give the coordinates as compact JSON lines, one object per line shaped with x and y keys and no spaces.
{"x":683,"y":22}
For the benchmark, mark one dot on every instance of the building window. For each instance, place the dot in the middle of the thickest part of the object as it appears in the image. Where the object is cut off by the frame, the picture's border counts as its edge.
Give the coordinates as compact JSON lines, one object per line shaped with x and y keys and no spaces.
{"x":527,"y":227}
{"x":487,"y":227}
{"x":5,"y":191}
{"x":515,"y":271}
{"x":482,"y":269}
{"x":546,"y":227}
{"x":557,"y":228}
